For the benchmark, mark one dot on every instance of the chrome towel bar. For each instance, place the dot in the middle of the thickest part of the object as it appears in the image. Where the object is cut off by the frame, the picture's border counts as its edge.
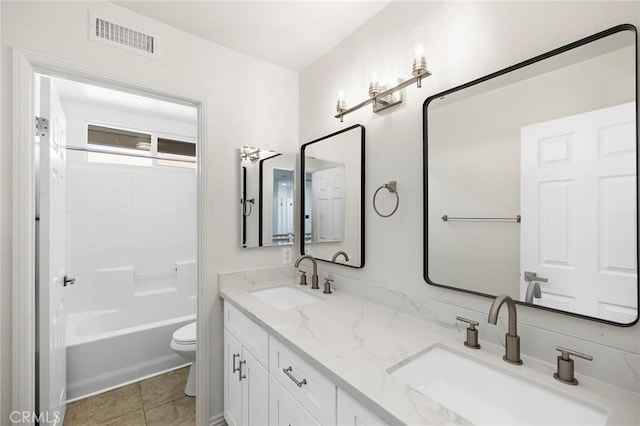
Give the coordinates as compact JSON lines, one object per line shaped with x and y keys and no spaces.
{"x":518,"y":219}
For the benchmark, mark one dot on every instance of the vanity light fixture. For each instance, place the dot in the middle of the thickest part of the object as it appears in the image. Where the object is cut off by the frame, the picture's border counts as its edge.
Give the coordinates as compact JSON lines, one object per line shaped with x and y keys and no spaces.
{"x":249,"y":153}
{"x":341,"y":106}
{"x":385,"y":96}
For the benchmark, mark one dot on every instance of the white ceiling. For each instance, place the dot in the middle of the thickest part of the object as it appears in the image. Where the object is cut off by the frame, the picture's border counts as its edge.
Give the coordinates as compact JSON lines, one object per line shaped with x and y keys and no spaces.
{"x":292,"y":34}
{"x":100,"y":96}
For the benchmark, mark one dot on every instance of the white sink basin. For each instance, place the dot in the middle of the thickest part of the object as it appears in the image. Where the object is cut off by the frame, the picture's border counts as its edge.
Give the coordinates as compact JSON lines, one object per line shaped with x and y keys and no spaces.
{"x":285,"y":297}
{"x":486,"y":395}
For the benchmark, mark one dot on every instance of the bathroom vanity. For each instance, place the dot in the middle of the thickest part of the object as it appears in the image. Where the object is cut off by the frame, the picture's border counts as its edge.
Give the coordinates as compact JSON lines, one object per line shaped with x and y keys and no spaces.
{"x":294,"y":356}
{"x":261,"y":386}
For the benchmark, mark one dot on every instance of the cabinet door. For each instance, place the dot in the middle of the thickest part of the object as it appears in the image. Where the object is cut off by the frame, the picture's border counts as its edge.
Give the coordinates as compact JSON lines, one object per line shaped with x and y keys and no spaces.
{"x":232,"y":384}
{"x":255,"y":391}
{"x":284,"y":410}
{"x":352,"y":413}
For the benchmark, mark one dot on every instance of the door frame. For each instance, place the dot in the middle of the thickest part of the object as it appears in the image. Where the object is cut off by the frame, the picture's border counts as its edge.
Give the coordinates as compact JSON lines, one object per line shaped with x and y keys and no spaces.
{"x":23,"y":324}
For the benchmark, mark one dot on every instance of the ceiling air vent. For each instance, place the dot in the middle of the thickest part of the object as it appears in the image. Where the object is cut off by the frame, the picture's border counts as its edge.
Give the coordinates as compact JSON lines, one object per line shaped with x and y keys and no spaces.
{"x":105,"y":30}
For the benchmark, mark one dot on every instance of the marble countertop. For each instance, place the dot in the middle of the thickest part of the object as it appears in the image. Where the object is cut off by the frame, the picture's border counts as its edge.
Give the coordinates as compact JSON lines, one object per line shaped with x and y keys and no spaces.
{"x":353,"y":342}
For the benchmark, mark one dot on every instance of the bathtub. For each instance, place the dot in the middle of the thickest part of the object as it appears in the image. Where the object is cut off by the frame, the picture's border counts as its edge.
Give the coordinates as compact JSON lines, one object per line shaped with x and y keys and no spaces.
{"x":111,"y":347}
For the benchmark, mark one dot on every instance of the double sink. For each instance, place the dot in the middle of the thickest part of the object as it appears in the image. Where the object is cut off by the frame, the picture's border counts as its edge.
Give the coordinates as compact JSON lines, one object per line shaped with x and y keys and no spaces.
{"x":480,"y":392}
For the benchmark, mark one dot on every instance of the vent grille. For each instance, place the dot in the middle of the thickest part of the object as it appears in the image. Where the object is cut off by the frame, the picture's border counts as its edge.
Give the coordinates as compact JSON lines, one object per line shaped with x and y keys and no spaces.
{"x":125,"y":36}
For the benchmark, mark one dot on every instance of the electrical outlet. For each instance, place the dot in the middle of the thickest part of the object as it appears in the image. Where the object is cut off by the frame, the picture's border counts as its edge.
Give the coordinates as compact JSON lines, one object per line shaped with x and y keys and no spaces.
{"x":286,"y":256}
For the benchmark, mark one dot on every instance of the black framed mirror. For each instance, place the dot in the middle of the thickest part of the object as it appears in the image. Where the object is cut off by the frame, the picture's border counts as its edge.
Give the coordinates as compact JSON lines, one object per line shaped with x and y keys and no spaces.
{"x":267,"y":197}
{"x":332,"y":197}
{"x":530,"y":180}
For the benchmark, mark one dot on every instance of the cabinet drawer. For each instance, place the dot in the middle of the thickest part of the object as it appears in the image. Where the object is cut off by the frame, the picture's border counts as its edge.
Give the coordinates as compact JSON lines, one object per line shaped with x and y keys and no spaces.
{"x":315,"y":392}
{"x":248,"y":333}
{"x":284,"y":410}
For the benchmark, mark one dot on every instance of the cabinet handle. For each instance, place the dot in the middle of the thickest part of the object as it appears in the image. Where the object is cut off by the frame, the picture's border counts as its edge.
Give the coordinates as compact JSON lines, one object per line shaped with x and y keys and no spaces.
{"x":234,"y":362}
{"x":288,"y":371}
{"x":240,"y":375}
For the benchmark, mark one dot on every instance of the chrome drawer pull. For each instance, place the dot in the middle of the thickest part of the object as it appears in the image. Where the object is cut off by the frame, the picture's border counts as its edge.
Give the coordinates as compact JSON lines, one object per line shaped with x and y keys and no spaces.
{"x":288,"y":371}
{"x":240,"y":375}
{"x":234,"y":362}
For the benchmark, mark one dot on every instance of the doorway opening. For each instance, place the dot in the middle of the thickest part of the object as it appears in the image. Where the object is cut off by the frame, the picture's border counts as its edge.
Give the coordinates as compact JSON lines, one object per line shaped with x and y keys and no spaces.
{"x":116,"y":240}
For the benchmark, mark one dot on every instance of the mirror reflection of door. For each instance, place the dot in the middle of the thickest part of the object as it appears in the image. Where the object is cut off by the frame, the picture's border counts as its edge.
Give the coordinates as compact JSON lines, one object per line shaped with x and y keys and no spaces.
{"x":328,"y":204}
{"x":579,"y":176}
{"x":308,"y":206}
{"x":324,"y":201}
{"x":283,"y":218}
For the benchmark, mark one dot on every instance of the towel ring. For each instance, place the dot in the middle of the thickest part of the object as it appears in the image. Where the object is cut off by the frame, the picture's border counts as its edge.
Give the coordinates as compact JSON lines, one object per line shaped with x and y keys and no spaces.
{"x":391,"y":187}
{"x":244,"y":207}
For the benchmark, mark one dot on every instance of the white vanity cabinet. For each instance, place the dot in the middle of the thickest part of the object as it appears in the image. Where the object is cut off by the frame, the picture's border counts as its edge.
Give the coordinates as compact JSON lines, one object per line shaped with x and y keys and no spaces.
{"x":265,"y":383}
{"x":246,"y":379}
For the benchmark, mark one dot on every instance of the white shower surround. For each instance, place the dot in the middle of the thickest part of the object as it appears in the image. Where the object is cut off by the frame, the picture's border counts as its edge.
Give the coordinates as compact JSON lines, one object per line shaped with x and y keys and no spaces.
{"x":112,"y":347}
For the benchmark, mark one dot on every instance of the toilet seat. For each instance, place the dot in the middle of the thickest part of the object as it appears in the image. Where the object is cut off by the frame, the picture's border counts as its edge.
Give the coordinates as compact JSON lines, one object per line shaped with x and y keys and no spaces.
{"x":185,"y":335}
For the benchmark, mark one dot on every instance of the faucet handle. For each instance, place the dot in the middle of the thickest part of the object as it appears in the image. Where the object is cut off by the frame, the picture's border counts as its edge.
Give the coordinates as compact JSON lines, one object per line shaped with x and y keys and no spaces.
{"x":566,"y":370}
{"x":472,"y":333}
{"x":327,"y":285}
{"x":533,"y":276}
{"x":303,"y":277}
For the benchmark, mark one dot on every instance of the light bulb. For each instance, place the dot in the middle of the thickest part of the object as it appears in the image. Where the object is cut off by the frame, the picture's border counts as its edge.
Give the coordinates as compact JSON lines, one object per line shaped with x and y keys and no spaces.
{"x":374,"y":87}
{"x":419,"y":65}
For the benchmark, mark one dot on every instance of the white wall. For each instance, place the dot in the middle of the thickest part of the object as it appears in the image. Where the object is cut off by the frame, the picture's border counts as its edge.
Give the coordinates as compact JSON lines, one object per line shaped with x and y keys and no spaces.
{"x":461,"y":41}
{"x":249,"y":102}
{"x":125,"y":220}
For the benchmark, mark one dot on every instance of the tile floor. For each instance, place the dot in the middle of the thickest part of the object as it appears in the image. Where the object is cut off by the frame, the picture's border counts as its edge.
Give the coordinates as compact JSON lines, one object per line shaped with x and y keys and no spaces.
{"x":158,"y":401}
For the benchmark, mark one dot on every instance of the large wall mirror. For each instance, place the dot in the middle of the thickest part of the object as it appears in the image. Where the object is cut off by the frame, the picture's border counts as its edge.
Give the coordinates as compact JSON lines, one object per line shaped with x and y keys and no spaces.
{"x":531,"y":181}
{"x":332,"y":202}
{"x":266,"y":197}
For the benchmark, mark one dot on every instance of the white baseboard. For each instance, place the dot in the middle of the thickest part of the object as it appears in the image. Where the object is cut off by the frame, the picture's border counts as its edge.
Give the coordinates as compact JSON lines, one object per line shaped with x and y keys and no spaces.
{"x":217,"y":420}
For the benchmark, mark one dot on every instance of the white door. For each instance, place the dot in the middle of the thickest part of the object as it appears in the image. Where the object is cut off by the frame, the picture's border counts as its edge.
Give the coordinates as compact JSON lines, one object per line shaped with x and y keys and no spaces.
{"x":232,"y":384}
{"x":579,"y":212}
{"x":328,"y":204}
{"x":51,"y":352}
{"x":255,"y":391}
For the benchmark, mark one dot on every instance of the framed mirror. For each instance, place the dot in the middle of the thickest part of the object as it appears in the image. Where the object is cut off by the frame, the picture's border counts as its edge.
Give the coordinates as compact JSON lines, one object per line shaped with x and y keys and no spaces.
{"x":332,"y":200}
{"x":530,"y":178}
{"x":266,"y":197}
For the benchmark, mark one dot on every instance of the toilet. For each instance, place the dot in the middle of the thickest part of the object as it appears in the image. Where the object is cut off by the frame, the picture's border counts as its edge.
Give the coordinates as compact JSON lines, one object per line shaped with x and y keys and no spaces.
{"x":183,"y":343}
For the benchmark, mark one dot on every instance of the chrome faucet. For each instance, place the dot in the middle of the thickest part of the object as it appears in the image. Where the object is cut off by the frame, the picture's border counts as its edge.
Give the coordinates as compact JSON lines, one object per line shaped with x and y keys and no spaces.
{"x":338,"y":253}
{"x":511,"y":339}
{"x":533,"y":290}
{"x":314,"y":277}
